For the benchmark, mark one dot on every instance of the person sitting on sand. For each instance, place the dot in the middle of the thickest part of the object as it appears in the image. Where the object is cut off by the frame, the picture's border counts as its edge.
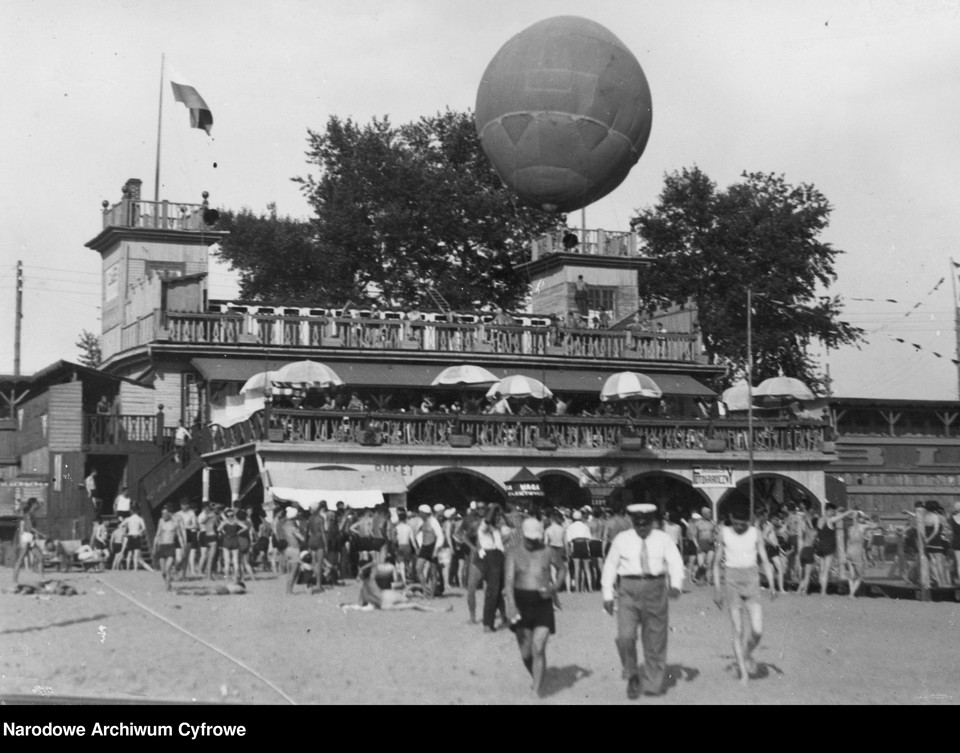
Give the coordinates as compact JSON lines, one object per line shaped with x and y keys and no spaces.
{"x":376,"y":591}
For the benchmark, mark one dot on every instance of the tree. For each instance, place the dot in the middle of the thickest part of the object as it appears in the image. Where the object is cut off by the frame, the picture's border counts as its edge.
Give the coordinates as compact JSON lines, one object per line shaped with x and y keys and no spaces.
{"x":280,"y":259}
{"x":419,"y":206}
{"x":90,"y":353}
{"x":709,"y":246}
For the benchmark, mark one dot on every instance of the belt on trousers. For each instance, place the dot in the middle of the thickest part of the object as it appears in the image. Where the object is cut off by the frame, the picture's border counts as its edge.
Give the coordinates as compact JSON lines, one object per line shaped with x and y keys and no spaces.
{"x":644,"y":577}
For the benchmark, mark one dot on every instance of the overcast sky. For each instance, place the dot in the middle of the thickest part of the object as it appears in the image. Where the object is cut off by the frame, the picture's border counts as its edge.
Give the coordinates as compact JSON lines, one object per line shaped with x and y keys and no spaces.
{"x":862,"y":99}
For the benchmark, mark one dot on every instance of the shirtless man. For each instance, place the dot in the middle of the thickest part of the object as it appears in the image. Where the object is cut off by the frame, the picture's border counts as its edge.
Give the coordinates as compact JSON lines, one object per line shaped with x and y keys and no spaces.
{"x":738,"y":547}
{"x":169,"y":532}
{"x":290,"y":532}
{"x":317,"y":542}
{"x":29,"y":538}
{"x":134,"y":527}
{"x":376,"y":592}
{"x":187,"y":550}
{"x":529,"y":590}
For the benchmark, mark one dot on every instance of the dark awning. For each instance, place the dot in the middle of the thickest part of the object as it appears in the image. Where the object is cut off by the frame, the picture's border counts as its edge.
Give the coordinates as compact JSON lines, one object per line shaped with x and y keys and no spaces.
{"x":373,"y":374}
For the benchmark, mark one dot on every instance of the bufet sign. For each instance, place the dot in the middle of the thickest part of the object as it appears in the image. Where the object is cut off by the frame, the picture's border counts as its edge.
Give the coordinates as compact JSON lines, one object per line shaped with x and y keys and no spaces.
{"x":713,"y":477}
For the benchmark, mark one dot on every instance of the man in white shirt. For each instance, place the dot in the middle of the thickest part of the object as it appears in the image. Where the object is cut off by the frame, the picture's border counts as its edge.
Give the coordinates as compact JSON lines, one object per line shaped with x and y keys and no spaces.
{"x":637,"y":567}
{"x":121,"y":503}
{"x":577,"y":538}
{"x":738,"y":547}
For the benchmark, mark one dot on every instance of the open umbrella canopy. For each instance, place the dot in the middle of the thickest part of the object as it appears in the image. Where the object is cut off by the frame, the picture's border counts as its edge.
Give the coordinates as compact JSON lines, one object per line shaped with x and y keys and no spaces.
{"x":464,"y":373}
{"x":781,"y":390}
{"x":258,"y":384}
{"x":518,"y":385}
{"x":737,"y":397}
{"x":302,"y":375}
{"x":629,"y":385}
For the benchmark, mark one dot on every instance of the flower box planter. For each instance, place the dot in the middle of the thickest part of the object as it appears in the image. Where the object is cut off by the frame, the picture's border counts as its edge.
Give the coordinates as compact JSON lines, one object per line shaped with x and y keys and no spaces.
{"x":829,"y":446}
{"x":633,"y":443}
{"x":545,"y":445}
{"x":714,"y":445}
{"x":275,"y":435}
{"x":460,"y":440}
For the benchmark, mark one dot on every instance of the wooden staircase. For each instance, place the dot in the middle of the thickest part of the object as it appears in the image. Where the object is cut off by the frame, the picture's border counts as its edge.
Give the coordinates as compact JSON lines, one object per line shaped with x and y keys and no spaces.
{"x":438,"y":300}
{"x":162,"y":482}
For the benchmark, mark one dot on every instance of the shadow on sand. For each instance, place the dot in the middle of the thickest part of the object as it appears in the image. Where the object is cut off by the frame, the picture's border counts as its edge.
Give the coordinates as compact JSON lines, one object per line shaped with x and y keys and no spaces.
{"x":65,"y":623}
{"x":556,"y":679}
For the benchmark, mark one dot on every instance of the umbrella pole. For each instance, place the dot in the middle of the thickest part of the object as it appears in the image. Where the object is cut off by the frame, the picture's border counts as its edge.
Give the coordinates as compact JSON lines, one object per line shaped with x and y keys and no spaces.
{"x":750,"y":397}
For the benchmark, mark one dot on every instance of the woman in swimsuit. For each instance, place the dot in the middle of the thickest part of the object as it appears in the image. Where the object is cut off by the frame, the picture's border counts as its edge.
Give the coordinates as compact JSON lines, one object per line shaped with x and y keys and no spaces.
{"x":771,"y":543}
{"x":29,"y":539}
{"x":230,"y":536}
{"x":807,"y":536}
{"x":934,"y":543}
{"x":209,"y":522}
{"x":856,"y":542}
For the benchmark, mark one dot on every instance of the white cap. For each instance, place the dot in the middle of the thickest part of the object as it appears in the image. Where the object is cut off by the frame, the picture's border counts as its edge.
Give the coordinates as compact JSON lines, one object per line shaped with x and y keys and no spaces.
{"x":473,"y":505}
{"x":438,"y":508}
{"x":642,"y":508}
{"x":697,"y":516}
{"x":292,"y":512}
{"x":532,"y":529}
{"x":449,"y":512}
{"x":577,"y":515}
{"x":424,"y":509}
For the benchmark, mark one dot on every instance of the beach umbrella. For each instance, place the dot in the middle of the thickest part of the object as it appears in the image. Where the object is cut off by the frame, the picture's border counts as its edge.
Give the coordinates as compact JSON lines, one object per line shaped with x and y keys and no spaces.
{"x":518,"y":385}
{"x":464,"y":373}
{"x":736,"y":397}
{"x":302,"y":375}
{"x":781,"y":390}
{"x":629,"y":385}
{"x":258,"y":384}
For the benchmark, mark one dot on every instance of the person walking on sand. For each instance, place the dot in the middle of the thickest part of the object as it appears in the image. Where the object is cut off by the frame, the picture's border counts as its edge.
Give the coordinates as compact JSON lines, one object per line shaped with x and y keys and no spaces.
{"x":643,"y":568}
{"x":135,"y":527}
{"x":529,"y":590}
{"x":736,"y":581}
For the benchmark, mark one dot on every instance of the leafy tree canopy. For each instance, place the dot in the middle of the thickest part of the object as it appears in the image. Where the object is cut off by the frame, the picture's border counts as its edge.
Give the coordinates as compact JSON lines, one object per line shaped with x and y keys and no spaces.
{"x":708,"y":246}
{"x":405,"y":208}
{"x":90,"y":353}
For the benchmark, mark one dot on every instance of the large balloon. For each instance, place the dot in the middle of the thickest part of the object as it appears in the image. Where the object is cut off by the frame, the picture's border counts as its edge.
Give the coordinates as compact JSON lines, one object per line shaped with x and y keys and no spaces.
{"x":563,"y":113}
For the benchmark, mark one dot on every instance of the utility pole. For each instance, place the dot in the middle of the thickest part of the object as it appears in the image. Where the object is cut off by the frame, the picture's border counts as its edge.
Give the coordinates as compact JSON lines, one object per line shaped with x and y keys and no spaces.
{"x":956,"y":316}
{"x":19,"y":317}
{"x":750,"y":397}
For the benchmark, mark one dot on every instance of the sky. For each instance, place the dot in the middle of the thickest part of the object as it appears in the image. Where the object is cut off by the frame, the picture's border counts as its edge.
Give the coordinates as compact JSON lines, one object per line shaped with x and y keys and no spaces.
{"x":860,"y":99}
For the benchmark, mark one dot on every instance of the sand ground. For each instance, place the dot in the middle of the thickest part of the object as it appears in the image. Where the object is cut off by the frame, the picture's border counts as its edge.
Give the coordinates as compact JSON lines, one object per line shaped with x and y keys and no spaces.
{"x":304,"y":649}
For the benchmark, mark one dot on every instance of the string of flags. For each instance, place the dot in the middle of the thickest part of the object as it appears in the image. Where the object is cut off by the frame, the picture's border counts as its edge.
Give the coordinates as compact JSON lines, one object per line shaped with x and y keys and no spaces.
{"x":919,"y":348}
{"x":917,"y":305}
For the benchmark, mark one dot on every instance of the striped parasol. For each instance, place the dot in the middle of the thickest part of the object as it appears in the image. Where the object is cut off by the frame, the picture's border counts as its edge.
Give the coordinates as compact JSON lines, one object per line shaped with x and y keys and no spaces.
{"x":258,"y":384}
{"x":464,"y":373}
{"x":518,"y":385}
{"x":629,"y":385}
{"x":303,"y":375}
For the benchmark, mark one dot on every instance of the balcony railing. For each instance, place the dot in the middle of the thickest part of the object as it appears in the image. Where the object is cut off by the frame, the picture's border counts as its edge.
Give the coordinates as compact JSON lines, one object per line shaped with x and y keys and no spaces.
{"x":590,"y":242}
{"x":392,"y":334}
{"x":159,"y":215}
{"x":572,"y":432}
{"x":106,"y":429}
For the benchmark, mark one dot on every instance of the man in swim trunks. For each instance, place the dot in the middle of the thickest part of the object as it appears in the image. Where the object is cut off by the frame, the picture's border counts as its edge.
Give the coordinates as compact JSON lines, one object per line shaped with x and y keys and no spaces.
{"x":169,"y":532}
{"x":134,"y":526}
{"x":187,"y":562}
{"x":290,"y":533}
{"x":529,"y":589}
{"x":739,"y":545}
{"x":376,"y":591}
{"x":317,"y":542}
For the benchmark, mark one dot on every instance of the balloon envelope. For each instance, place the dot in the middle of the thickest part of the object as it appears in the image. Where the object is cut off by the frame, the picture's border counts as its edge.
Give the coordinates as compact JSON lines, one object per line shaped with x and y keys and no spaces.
{"x":563,"y":113}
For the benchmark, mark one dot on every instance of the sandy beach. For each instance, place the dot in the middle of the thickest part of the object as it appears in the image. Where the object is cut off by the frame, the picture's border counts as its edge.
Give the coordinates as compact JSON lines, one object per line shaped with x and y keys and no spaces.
{"x":123,"y":638}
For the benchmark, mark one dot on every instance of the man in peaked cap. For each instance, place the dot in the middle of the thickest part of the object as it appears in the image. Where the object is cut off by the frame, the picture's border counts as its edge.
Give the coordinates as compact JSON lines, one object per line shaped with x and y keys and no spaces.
{"x":643,"y":567}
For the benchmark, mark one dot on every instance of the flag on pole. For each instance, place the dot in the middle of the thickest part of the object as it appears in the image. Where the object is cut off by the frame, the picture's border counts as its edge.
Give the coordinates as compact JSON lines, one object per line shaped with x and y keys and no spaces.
{"x":200,"y":115}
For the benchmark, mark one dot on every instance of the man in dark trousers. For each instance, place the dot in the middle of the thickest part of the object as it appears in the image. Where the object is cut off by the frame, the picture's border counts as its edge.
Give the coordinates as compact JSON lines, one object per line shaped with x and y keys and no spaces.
{"x":643,"y":567}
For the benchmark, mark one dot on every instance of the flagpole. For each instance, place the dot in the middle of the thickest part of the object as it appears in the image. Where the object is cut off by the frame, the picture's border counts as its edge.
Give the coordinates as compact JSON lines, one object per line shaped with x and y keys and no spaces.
{"x":156,"y":175}
{"x":956,"y":316}
{"x":750,"y":397}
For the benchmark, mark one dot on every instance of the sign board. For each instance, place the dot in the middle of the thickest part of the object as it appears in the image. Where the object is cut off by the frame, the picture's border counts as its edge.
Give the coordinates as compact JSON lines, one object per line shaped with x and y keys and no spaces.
{"x":713,"y":477}
{"x":13,"y":493}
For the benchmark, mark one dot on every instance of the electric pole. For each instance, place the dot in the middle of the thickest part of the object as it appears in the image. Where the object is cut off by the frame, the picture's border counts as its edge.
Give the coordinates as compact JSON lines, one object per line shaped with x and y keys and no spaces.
{"x":19,"y":317}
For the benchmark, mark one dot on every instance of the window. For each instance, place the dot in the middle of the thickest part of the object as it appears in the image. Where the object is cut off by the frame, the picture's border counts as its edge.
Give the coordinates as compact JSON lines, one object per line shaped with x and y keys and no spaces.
{"x":166,"y":270}
{"x":602,"y":299}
